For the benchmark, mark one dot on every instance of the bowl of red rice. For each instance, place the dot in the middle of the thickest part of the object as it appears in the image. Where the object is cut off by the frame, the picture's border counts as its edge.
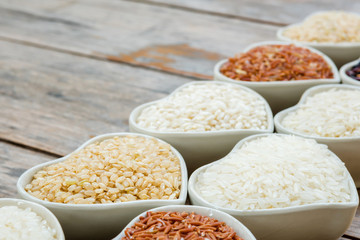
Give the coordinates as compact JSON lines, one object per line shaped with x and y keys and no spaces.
{"x":335,"y":33}
{"x":97,"y":189}
{"x":330,"y":115}
{"x":185,"y":222}
{"x":279,"y":71}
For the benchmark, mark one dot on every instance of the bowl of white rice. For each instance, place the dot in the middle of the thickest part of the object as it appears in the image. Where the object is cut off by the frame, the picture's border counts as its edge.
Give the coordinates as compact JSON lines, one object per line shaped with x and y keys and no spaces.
{"x":287,"y":68}
{"x":335,"y":33}
{"x":280,"y":187}
{"x":204,"y":120}
{"x":22,"y":219}
{"x":329,"y":114}
{"x":96,"y":190}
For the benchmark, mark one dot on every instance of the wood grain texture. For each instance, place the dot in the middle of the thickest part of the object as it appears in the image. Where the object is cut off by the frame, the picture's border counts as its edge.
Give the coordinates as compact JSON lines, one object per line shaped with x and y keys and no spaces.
{"x":54,"y":101}
{"x":166,"y":39}
{"x":276,"y":12}
{"x":14,"y":161}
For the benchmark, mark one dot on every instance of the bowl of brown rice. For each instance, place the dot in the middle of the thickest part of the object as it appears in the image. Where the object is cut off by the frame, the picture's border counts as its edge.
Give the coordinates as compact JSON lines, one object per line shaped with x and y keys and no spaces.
{"x":106,"y":182}
{"x":22,"y":219}
{"x":204,"y":120}
{"x":329,"y":114}
{"x":279,"y":71}
{"x":280,"y":187}
{"x":335,"y":33}
{"x":185,"y":222}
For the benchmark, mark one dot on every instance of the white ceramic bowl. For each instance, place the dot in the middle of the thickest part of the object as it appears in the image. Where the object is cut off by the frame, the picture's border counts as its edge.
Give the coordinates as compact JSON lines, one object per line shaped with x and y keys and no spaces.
{"x":346,"y":148}
{"x":98,"y":221}
{"x":313,"y":221}
{"x":200,"y":148}
{"x":344,"y":77}
{"x":238,"y":227}
{"x":43,"y":212}
{"x":280,"y":94}
{"x":340,"y":53}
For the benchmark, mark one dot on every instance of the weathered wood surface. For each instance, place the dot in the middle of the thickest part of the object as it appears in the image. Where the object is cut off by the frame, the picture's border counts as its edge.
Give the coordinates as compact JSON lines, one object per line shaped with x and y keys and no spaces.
{"x":276,"y":12}
{"x":54,"y":101}
{"x":170,"y":40}
{"x":56,"y":90}
{"x":15,"y":160}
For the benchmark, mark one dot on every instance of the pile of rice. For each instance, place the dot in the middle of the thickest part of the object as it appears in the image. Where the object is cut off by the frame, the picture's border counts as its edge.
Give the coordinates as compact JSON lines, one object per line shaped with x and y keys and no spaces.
{"x":331,"y":26}
{"x":17,"y":223}
{"x":118,"y":169}
{"x":206,"y":107}
{"x":332,"y":113}
{"x":275,"y":171}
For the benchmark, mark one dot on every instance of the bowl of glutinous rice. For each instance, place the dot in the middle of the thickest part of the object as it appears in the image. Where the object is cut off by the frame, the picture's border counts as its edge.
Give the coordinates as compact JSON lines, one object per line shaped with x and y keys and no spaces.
{"x":279,"y":71}
{"x":204,"y":120}
{"x":281,"y":187}
{"x":106,"y":182}
{"x":22,"y":219}
{"x":185,"y":222}
{"x":335,"y":33}
{"x":330,"y":114}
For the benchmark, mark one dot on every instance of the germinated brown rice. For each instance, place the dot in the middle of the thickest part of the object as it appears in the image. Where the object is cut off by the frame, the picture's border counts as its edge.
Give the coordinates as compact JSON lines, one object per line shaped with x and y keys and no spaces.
{"x":119,"y":169}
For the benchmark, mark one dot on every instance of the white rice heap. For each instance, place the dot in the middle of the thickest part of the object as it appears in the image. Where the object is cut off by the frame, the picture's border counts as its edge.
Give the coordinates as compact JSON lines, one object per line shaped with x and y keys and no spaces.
{"x":275,"y":171}
{"x":206,"y":107}
{"x":332,"y":113}
{"x":20,"y":224}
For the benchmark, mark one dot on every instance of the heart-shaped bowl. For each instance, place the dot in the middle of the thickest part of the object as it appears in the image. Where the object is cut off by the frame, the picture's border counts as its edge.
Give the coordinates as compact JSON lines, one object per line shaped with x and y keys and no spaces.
{"x":200,"y":148}
{"x":47,"y":216}
{"x":308,"y":221}
{"x":103,"y":220}
{"x":280,"y":94}
{"x":237,"y":226}
{"x":346,"y":148}
{"x":346,"y":78}
{"x":340,"y":52}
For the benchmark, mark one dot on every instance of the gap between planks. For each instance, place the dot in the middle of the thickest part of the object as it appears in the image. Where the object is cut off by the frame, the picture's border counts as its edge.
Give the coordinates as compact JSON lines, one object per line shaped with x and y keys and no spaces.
{"x":208,"y":12}
{"x":34,"y":149}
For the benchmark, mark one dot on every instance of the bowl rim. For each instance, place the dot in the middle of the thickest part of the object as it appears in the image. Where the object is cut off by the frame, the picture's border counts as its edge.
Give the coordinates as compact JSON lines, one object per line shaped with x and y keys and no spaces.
{"x":136,"y":112}
{"x":308,"y":93}
{"x":346,"y":78}
{"x":280,"y":35}
{"x":194,"y":208}
{"x":219,"y":76}
{"x":354,"y":202}
{"x":21,"y":183}
{"x":40,"y":210}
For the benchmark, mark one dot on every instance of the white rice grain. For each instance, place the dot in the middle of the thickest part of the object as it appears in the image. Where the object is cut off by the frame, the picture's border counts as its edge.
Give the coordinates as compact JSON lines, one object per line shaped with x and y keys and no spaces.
{"x":206,"y":107}
{"x":275,"y":171}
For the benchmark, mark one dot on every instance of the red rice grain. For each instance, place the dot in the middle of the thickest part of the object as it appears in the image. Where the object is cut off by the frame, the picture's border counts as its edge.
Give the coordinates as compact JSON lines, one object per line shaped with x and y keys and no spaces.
{"x":179,"y":225}
{"x":276,"y":63}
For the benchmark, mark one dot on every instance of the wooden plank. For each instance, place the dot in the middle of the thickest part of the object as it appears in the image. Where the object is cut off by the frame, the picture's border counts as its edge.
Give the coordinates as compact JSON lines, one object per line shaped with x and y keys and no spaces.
{"x":54,"y":102}
{"x":354,"y":229}
{"x":14,"y":161}
{"x":166,"y":39}
{"x":276,"y":12}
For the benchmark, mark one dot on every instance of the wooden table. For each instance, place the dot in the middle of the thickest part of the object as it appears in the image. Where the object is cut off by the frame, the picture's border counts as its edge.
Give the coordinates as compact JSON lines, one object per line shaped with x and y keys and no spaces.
{"x":71,"y":69}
